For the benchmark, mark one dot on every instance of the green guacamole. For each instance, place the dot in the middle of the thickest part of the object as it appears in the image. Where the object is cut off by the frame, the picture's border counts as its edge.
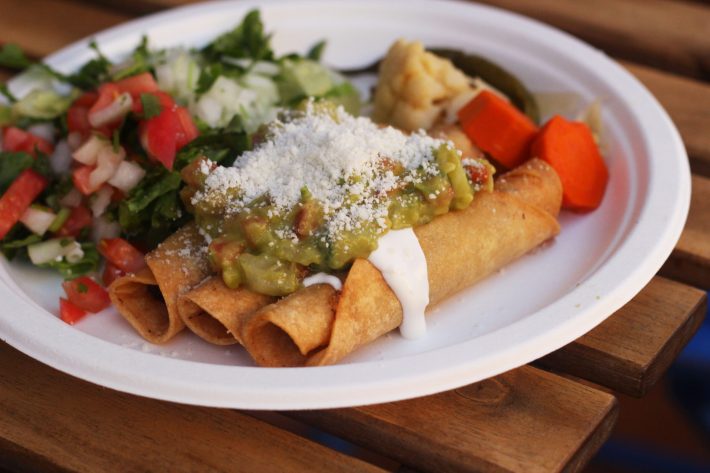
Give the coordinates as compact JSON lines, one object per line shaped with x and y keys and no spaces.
{"x":269,"y":248}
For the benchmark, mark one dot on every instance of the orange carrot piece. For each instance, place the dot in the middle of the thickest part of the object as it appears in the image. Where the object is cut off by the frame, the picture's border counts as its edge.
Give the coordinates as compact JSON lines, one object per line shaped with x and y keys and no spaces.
{"x":570,"y":149}
{"x":498,"y":128}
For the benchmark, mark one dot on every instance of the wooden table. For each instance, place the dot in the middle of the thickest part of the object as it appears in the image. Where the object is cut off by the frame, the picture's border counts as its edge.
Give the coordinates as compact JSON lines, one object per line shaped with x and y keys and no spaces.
{"x":552,"y":415}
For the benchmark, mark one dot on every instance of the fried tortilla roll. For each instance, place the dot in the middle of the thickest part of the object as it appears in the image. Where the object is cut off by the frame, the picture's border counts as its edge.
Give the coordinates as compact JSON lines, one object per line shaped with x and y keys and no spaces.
{"x":214,"y":312}
{"x":460,"y":248}
{"x":148,"y":299}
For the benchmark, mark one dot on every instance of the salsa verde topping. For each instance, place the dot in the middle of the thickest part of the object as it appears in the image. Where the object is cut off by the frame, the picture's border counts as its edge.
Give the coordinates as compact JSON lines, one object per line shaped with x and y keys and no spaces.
{"x":318,"y":191}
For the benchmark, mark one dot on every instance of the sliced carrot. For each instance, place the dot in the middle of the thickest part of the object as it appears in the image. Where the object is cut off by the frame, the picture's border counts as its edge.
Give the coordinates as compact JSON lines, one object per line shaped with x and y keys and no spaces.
{"x":570,"y":149}
{"x":498,"y":128}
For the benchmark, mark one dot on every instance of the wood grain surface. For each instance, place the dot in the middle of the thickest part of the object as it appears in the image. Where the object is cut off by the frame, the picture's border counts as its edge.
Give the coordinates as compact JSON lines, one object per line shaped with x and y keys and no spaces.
{"x":43,"y":26}
{"x":632,"y":349}
{"x":690,"y":260}
{"x":668,"y":35}
{"x":687,"y":101}
{"x":526,"y":420}
{"x":51,"y":419}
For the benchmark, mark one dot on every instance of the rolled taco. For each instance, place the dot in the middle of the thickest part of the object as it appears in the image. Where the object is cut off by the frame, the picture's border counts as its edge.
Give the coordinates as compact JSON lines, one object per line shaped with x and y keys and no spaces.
{"x":148,"y":299}
{"x":214,"y":312}
{"x":315,"y":326}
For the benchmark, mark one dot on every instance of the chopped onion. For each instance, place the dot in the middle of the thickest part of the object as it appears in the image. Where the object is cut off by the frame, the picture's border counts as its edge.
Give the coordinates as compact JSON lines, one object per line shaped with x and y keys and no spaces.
{"x":265,"y":68}
{"x":102,"y":228}
{"x":61,"y":158}
{"x":116,"y":110}
{"x":74,"y":140}
{"x":46,"y":251}
{"x":72,"y":199}
{"x":237,"y":61}
{"x":101,"y":200}
{"x":106,"y":165}
{"x":73,"y":252}
{"x":127,"y":176}
{"x":54,"y":250}
{"x":209,"y":110}
{"x":43,"y":130}
{"x":89,"y":151}
{"x":37,"y":220}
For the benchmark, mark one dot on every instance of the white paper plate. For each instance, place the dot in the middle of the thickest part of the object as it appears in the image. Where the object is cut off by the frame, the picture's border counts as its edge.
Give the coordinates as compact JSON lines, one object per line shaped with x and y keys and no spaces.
{"x":532,"y":307}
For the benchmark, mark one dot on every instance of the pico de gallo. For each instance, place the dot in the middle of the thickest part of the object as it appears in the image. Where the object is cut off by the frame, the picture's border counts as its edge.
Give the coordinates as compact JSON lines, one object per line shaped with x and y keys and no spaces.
{"x":90,"y":161}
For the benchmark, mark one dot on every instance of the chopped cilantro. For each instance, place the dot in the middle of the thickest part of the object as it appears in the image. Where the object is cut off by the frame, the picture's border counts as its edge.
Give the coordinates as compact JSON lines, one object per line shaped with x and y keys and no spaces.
{"x":12,"y":56}
{"x":316,"y":51}
{"x":151,"y":106}
{"x":247,"y":40}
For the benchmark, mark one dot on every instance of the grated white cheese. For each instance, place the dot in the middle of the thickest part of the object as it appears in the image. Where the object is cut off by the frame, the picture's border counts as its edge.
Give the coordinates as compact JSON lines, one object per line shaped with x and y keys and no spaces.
{"x":343,"y":161}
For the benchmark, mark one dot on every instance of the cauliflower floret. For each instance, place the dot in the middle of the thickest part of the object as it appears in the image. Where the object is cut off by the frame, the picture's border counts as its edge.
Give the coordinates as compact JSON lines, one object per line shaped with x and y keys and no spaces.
{"x":415,"y":87}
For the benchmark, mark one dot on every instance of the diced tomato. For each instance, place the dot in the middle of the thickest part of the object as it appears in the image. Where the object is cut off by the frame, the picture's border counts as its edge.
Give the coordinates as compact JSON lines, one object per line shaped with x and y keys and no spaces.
{"x":107,"y":94}
{"x":13,"y":138}
{"x":79,"y":219}
{"x":80,"y":177}
{"x":78,"y":120}
{"x":16,"y":139}
{"x":138,"y":84}
{"x":188,"y":128}
{"x":70,"y":313}
{"x":21,"y":193}
{"x":111,"y":273}
{"x":117,"y":195}
{"x":87,"y":99}
{"x":122,"y":254}
{"x":159,"y":137}
{"x":86,"y":294}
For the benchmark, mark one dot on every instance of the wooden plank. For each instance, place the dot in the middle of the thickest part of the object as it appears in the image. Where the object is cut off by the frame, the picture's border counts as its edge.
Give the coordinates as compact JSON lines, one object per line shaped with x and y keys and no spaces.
{"x":688,"y":103}
{"x":43,"y":26}
{"x":630,"y":351}
{"x":690,"y":260}
{"x":50,"y":418}
{"x":5,"y":75}
{"x":140,"y":7}
{"x":524,"y":420}
{"x":672,"y":36}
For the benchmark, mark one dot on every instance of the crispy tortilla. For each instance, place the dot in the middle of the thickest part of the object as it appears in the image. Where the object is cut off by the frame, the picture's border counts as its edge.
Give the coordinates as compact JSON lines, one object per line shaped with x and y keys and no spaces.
{"x":214,"y":312}
{"x":148,"y":299}
{"x":315,"y":327}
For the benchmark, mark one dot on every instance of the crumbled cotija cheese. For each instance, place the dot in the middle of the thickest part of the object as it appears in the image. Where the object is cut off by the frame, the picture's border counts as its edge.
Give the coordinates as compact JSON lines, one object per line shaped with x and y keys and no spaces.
{"x":341,"y":161}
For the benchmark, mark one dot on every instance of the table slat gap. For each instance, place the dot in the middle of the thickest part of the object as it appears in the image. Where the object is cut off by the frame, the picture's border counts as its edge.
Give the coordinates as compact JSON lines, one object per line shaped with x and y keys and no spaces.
{"x":632,"y":349}
{"x":687,"y":101}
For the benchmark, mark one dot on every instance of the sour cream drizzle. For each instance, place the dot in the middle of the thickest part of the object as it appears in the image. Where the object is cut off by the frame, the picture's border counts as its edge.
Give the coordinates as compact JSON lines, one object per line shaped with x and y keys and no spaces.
{"x":400,"y":259}
{"x":323,"y":278}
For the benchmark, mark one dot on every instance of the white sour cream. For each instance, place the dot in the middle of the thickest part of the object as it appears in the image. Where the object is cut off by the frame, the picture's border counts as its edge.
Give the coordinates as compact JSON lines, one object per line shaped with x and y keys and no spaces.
{"x":323,"y":278}
{"x":400,"y":259}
